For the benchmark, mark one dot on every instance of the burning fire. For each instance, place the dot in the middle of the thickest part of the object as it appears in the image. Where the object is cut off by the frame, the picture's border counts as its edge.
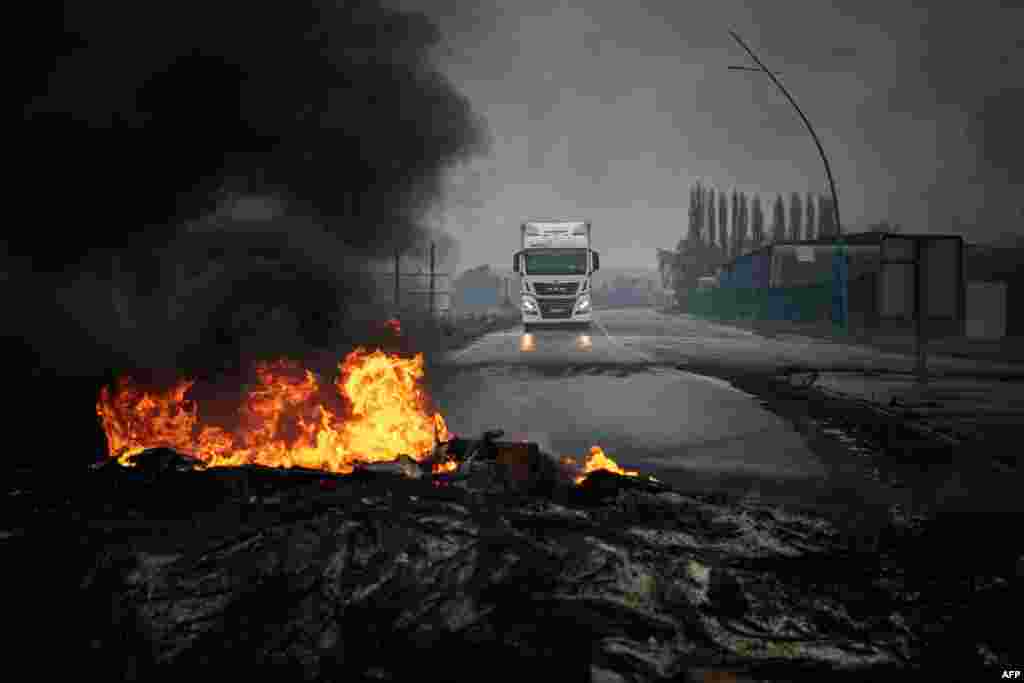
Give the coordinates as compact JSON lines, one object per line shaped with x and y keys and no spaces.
{"x":597,"y":460}
{"x":289,"y":420}
{"x":443,"y":467}
{"x":286,"y":420}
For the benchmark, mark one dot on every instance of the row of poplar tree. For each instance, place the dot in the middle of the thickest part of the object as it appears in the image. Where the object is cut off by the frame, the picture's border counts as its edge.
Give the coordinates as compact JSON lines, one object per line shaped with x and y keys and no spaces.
{"x":725,"y":225}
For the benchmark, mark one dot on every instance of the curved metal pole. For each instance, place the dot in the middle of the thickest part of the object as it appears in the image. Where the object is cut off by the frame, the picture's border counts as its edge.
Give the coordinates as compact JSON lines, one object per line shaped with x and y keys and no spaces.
{"x":810,"y":128}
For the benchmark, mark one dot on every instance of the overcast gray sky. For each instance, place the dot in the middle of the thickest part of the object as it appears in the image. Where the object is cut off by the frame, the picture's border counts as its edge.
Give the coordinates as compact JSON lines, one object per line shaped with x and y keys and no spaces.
{"x":610,"y":110}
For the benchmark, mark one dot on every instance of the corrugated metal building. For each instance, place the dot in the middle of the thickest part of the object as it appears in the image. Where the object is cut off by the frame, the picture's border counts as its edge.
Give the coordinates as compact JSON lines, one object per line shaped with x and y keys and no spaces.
{"x":867,"y":281}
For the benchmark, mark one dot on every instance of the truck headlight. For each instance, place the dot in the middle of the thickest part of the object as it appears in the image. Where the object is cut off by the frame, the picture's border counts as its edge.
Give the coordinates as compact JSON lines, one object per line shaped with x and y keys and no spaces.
{"x":583,"y":305}
{"x":529,"y":305}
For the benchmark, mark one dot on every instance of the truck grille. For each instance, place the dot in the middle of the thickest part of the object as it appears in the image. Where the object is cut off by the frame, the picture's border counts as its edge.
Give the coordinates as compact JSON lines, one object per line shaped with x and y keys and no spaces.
{"x":550,"y":289}
{"x":556,"y":308}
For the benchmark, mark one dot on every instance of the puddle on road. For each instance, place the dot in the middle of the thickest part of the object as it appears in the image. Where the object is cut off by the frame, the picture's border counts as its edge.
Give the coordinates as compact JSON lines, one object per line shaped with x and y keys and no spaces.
{"x":742,"y":436}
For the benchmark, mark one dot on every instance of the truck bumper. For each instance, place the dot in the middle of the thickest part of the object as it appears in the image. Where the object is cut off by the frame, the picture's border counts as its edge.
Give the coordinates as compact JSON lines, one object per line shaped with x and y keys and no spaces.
{"x":537,"y":319}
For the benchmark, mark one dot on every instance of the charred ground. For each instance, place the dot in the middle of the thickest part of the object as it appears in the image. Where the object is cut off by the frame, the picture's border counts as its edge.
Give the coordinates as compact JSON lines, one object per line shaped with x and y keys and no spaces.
{"x":379,"y":577}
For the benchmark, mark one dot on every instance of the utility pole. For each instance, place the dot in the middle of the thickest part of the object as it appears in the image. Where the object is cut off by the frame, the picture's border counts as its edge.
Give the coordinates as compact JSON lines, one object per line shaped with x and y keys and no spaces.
{"x":841,"y":255}
{"x":431,"y":304}
{"x":398,"y":287}
{"x":920,"y":366}
{"x":810,"y":128}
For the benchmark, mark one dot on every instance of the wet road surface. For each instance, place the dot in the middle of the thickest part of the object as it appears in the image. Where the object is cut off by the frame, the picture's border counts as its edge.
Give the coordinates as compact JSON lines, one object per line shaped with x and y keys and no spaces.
{"x":619,"y":385}
{"x":570,"y":389}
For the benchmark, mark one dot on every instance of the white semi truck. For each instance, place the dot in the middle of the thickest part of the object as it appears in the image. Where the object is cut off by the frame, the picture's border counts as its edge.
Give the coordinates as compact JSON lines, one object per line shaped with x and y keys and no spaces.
{"x":555,"y":264}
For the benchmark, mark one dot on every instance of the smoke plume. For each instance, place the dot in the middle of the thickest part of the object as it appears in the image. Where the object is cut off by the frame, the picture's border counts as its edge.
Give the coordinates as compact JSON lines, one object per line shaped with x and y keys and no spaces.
{"x":144,"y":123}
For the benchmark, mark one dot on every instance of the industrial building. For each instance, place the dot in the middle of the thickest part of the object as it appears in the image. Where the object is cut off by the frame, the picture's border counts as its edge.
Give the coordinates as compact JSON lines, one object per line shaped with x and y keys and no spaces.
{"x":865,"y":281}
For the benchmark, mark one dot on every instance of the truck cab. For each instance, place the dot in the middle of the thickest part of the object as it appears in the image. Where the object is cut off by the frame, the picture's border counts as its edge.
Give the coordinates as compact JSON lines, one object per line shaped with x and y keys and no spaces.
{"x":555,"y":267}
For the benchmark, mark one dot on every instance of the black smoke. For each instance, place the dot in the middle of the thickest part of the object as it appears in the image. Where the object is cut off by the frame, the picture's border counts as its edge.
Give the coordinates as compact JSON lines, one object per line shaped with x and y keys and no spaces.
{"x":142,"y":122}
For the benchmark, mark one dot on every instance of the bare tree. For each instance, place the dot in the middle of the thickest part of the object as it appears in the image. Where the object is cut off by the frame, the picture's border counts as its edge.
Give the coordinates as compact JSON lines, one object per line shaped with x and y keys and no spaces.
{"x":734,"y":233}
{"x":723,"y":217}
{"x":712,"y":241}
{"x":743,"y":225}
{"x":757,"y":221}
{"x":679,"y":273}
{"x":778,"y":220}
{"x":701,"y":254}
{"x":809,"y":226}
{"x":693,"y":236}
{"x":826,"y":218}
{"x":796,"y":217}
{"x":691,"y":249}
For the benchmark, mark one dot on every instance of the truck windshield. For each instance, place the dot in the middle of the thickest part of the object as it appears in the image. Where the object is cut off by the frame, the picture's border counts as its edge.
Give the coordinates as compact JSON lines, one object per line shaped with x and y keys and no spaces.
{"x":556,"y":262}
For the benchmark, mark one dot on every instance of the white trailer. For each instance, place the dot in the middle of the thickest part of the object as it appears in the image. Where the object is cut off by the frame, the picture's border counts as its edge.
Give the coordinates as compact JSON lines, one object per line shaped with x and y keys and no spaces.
{"x":555,"y":265}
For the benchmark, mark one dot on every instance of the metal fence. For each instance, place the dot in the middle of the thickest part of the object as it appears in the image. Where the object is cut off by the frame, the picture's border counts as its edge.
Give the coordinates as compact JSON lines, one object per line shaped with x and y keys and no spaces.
{"x":869,"y":282}
{"x":414,"y":292}
{"x":796,"y":304}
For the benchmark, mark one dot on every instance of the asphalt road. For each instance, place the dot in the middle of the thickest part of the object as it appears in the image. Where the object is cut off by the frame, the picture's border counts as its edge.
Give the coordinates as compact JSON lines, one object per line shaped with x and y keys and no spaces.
{"x":619,"y":385}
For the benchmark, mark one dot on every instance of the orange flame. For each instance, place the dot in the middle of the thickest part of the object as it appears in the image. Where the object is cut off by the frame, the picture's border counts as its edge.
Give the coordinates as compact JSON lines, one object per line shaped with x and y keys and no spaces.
{"x":443,"y":467}
{"x":597,"y":460}
{"x":284,"y":422}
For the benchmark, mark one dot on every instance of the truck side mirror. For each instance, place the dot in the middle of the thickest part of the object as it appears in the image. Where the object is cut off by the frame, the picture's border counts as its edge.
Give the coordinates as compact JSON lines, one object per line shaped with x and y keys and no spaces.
{"x":515,"y":262}
{"x":597,"y":260}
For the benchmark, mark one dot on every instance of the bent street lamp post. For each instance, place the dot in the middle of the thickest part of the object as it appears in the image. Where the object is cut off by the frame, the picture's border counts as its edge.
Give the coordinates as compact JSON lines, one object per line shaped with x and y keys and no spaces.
{"x":824,"y":158}
{"x":810,"y":128}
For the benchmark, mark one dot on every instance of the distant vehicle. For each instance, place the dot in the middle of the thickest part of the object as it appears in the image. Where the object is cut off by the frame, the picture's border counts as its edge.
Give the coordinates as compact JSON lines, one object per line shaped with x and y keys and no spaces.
{"x":555,"y":264}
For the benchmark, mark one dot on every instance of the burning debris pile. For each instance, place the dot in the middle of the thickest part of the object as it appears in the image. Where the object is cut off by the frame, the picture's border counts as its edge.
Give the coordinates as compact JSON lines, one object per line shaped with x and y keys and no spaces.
{"x":374,"y":416}
{"x":598,"y":461}
{"x":288,"y":419}
{"x":328,"y":526}
{"x":346,"y":535}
